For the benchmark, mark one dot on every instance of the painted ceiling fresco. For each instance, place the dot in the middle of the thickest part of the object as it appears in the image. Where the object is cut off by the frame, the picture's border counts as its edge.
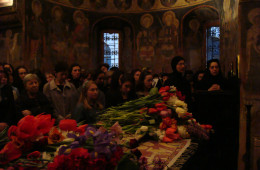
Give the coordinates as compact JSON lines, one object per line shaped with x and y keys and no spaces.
{"x":127,"y":6}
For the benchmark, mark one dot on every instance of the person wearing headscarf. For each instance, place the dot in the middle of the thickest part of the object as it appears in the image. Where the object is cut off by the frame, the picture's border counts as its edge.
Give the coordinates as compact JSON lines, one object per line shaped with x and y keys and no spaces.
{"x":213,"y":79}
{"x":177,"y":79}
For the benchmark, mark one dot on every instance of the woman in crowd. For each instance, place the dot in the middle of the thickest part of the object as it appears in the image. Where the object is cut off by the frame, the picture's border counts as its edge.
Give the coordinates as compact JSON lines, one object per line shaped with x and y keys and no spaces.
{"x":145,"y":84}
{"x":136,"y":75}
{"x":19,"y":74}
{"x":7,"y":105}
{"x":88,"y":106}
{"x":122,"y":94}
{"x":32,"y":101}
{"x":213,"y":79}
{"x":75,"y":75}
{"x":6,"y":81}
{"x":41,"y":76}
{"x":177,"y":79}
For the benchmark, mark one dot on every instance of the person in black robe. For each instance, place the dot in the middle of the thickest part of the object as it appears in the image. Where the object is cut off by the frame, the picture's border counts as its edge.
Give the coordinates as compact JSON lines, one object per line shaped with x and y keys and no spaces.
{"x":213,"y":79}
{"x":177,"y":79}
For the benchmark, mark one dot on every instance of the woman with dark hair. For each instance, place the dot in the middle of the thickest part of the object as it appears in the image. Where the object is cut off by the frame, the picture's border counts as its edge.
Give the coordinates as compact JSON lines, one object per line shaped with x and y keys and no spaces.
{"x":177,"y":79}
{"x":6,"y":81}
{"x":9,"y":67}
{"x":136,"y":75}
{"x":75,"y":75}
{"x":213,"y":79}
{"x":121,"y":94}
{"x":19,"y":74}
{"x":88,"y":106}
{"x":145,"y":84}
{"x":7,"y":105}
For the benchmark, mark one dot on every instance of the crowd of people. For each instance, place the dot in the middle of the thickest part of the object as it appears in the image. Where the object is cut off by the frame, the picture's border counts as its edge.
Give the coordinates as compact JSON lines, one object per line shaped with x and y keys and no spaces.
{"x":74,"y":93}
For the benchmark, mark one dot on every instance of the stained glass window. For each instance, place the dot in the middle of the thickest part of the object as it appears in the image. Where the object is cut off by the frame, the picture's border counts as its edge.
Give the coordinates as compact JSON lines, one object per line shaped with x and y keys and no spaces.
{"x":111,"y":49}
{"x":6,"y":3}
{"x":213,"y":41}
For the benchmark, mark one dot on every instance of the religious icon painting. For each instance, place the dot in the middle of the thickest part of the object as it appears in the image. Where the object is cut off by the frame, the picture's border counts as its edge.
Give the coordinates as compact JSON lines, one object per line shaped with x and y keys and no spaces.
{"x":168,"y":3}
{"x":76,"y":2}
{"x":146,"y":4}
{"x":123,"y":4}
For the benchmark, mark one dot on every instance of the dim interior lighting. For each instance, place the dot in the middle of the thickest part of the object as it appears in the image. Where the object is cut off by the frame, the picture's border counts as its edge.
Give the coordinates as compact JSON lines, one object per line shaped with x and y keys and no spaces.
{"x":6,"y":3}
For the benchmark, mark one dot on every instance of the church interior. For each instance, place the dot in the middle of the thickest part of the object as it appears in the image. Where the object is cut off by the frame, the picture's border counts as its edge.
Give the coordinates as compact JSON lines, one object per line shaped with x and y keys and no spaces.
{"x":148,"y":34}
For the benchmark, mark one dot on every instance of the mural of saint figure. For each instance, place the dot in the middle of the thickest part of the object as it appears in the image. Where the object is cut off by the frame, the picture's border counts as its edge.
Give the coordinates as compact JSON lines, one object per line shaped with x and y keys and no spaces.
{"x":98,"y":3}
{"x":168,"y":3}
{"x":253,"y":50}
{"x":9,"y":46}
{"x":146,"y":4}
{"x":146,"y":39}
{"x":58,"y":34}
{"x":168,"y":35}
{"x":123,"y":4}
{"x":80,"y":38}
{"x":76,"y":2}
{"x":37,"y":38}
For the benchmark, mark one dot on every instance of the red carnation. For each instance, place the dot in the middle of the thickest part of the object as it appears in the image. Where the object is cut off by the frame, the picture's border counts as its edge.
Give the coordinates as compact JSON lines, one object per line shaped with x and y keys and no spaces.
{"x":68,"y":125}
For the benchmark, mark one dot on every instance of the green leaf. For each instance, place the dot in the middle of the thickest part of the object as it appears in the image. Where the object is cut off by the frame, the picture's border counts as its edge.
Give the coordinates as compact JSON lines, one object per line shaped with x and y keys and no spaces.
{"x":127,"y":164}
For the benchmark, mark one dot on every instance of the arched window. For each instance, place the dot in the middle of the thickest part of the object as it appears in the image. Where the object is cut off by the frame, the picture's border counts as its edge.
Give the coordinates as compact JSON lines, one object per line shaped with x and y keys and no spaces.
{"x":111,"y":41}
{"x":212,"y":43}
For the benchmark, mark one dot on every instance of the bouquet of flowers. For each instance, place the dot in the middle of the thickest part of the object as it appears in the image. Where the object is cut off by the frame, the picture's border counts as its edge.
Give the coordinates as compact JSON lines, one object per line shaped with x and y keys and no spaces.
{"x":36,"y":142}
{"x":162,"y":114}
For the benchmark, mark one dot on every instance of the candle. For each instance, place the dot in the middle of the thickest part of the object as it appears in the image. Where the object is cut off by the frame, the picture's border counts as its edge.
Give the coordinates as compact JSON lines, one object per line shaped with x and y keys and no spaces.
{"x":238,"y":65}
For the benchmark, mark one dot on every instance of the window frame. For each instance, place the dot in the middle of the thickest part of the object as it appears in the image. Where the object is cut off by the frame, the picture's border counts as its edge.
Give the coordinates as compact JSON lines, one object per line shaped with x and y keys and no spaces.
{"x":120,"y":44}
{"x":205,"y":27}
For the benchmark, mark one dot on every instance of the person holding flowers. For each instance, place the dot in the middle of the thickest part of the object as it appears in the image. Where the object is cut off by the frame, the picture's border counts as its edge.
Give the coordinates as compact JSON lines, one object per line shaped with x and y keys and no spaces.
{"x":88,"y":106}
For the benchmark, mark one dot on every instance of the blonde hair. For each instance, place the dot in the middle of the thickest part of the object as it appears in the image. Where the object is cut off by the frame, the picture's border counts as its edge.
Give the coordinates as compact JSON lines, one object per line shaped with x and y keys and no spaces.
{"x":84,"y":98}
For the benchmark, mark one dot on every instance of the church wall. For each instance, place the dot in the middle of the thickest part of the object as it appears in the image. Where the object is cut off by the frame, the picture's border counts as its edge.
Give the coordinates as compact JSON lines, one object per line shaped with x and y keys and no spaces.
{"x":67,"y":31}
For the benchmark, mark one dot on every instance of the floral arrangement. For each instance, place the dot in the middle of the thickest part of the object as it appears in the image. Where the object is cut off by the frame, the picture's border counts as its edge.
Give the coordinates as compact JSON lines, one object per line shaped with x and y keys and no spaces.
{"x":36,"y":142}
{"x":162,"y":115}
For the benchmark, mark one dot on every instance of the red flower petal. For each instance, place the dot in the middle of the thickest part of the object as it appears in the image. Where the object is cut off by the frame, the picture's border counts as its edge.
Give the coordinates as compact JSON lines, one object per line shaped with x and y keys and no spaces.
{"x":9,"y":153}
{"x":68,"y":125}
{"x":44,"y":123}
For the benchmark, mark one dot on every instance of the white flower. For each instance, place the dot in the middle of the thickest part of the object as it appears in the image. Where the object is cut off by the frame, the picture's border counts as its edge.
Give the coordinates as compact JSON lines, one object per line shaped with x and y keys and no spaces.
{"x":180,"y":103}
{"x":182,"y":130}
{"x":46,"y":156}
{"x":144,"y":128}
{"x":172,"y":100}
{"x":181,"y":112}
